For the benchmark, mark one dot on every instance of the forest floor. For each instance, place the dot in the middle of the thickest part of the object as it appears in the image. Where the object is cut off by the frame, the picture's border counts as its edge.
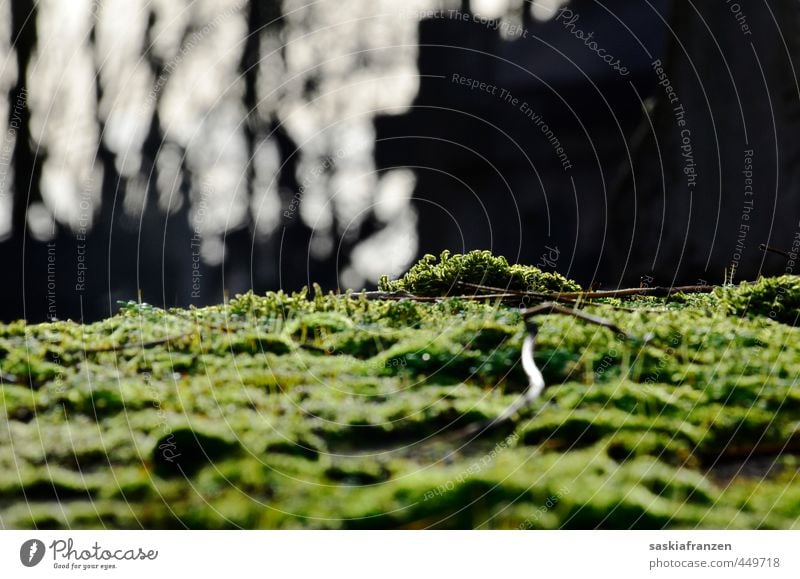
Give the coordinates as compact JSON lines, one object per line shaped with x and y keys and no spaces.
{"x":343,"y":411}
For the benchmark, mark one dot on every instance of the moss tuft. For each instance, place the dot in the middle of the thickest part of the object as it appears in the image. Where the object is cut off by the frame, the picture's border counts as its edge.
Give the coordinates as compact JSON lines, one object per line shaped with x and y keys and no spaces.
{"x":447,"y":276}
{"x":777,"y":298}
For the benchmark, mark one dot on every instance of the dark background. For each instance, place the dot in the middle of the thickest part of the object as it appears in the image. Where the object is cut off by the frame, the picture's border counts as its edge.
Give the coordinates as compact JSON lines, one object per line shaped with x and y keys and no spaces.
{"x":486,"y":175}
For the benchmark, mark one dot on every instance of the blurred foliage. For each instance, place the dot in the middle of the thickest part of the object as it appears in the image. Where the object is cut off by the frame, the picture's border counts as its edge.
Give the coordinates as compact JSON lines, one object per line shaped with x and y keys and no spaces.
{"x":323,"y":411}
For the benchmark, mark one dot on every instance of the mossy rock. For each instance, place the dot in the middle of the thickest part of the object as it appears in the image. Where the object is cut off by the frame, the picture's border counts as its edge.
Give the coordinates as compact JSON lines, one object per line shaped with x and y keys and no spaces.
{"x":338,"y":411}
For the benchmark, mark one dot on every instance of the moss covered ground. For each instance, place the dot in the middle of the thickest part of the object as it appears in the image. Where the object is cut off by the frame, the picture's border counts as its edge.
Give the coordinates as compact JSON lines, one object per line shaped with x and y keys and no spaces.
{"x":338,"y":411}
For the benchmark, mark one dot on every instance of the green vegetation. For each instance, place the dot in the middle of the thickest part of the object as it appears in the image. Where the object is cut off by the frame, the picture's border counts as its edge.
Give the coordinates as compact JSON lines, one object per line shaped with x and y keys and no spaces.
{"x":333,"y":411}
{"x":452,"y":274}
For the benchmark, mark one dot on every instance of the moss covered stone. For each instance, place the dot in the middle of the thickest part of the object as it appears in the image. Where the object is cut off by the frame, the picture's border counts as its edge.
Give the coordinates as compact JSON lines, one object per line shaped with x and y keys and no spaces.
{"x":334,"y":411}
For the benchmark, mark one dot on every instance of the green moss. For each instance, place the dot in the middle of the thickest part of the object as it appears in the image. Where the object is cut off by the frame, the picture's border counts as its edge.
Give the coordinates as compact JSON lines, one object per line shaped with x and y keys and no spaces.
{"x":447,"y":276}
{"x":290,"y":411}
{"x":777,"y":298}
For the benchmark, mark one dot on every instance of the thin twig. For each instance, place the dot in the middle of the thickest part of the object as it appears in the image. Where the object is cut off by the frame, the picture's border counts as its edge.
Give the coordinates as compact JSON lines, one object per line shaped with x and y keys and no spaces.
{"x":416,"y":298}
{"x":640,"y":291}
{"x":566,"y":300}
{"x":518,"y":293}
{"x":657,"y":291}
{"x":775,"y":250}
{"x":536,"y":383}
{"x":379,"y":295}
{"x":554,"y":308}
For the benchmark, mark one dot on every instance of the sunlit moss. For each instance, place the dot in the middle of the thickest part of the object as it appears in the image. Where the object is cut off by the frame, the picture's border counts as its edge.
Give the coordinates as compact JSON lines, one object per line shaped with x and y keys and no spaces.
{"x":777,"y":298}
{"x":334,"y":411}
{"x":452,"y":273}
